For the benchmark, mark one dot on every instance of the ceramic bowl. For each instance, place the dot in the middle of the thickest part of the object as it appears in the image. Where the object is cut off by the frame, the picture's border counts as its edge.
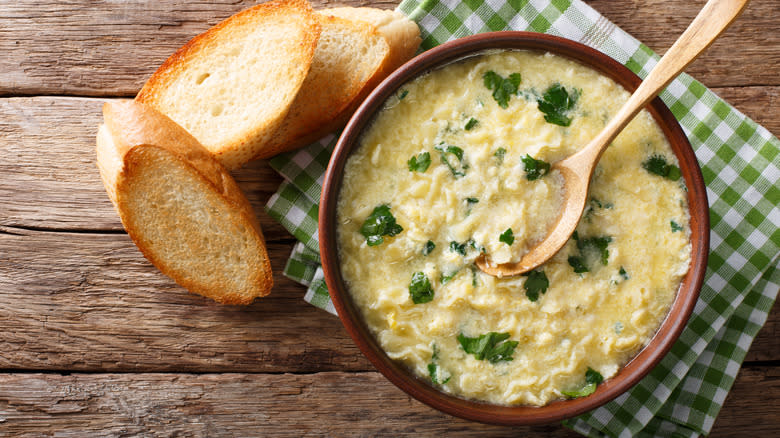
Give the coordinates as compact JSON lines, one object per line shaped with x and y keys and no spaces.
{"x":422,"y":390}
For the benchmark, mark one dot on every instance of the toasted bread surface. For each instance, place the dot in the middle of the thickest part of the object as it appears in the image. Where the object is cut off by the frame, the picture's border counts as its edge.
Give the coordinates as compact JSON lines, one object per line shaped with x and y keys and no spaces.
{"x":401,"y":33}
{"x":232,"y":86}
{"x":357,"y":49}
{"x":348,"y":59}
{"x":180,"y":206}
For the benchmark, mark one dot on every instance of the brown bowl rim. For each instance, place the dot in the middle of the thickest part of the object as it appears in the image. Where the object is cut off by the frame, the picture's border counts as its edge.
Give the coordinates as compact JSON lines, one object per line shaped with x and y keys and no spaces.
{"x":632,"y":372}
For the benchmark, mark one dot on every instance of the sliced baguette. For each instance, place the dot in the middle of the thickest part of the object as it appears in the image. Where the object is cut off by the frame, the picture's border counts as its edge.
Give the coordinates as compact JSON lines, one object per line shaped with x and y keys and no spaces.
{"x":353,"y":56}
{"x":180,"y":206}
{"x":401,"y":33}
{"x":231,"y":86}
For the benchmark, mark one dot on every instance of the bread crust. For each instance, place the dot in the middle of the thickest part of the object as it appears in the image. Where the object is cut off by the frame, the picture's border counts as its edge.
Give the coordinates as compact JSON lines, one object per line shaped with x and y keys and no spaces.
{"x":399,"y":38}
{"x":130,"y":129}
{"x":234,"y":150}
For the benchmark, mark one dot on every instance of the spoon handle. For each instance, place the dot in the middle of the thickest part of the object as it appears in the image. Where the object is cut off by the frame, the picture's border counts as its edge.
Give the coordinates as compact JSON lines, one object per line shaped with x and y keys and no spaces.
{"x":712,"y":20}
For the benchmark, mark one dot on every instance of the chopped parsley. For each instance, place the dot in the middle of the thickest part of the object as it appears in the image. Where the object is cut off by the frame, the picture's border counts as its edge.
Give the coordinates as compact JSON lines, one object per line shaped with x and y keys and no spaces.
{"x":437,"y":374}
{"x":459,"y":248}
{"x":657,"y":165}
{"x":499,"y":154}
{"x":536,"y":283}
{"x":445,"y":278}
{"x":420,"y":288}
{"x":503,"y":88}
{"x":534,"y":169}
{"x":493,"y":347}
{"x":507,"y":237}
{"x":623,"y":273}
{"x":470,"y":202}
{"x":555,"y":103}
{"x":420,"y":162}
{"x":403,"y":94}
{"x":598,"y":243}
{"x":457,"y":171}
{"x":471,"y":124}
{"x":675,"y":226}
{"x":578,"y":264}
{"x":380,"y":222}
{"x":429,"y":247}
{"x":592,"y":380}
{"x":597,"y":203}
{"x":473,"y":276}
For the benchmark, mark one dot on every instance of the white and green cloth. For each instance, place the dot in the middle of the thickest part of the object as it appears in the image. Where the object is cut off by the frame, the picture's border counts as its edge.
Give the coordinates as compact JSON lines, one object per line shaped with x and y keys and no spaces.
{"x":739,"y":161}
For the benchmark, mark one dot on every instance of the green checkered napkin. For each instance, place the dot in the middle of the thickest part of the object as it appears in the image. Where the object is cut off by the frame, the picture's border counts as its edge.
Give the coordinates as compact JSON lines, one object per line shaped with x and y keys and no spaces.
{"x":739,"y":160}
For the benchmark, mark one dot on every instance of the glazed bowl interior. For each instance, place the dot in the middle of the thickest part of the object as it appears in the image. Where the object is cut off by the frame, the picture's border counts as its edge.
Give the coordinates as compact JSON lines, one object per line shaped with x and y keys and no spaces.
{"x":632,"y":372}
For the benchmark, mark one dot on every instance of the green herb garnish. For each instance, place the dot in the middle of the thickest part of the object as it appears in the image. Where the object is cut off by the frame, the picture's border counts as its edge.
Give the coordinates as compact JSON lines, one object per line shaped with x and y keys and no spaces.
{"x":592,"y":380}
{"x":555,"y":103}
{"x":536,"y":283}
{"x":429,"y":247}
{"x":493,"y":347}
{"x":420,"y":288}
{"x":445,"y":278}
{"x":437,"y":374}
{"x":380,"y":222}
{"x":507,"y":237}
{"x":403,"y":94}
{"x":675,"y":226}
{"x":459,"y":248}
{"x":534,"y":169}
{"x":598,"y":243}
{"x":470,"y":202}
{"x":420,"y":162}
{"x":499,"y":154}
{"x":471,"y":124}
{"x":578,"y":264}
{"x":503,"y":88}
{"x":623,"y":273}
{"x":458,"y":153}
{"x":657,"y":165}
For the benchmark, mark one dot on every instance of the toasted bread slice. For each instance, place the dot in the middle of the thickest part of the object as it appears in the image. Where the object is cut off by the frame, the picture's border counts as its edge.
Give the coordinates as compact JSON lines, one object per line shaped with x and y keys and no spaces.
{"x":231,"y":86}
{"x":352,"y":57}
{"x":180,"y":206}
{"x":401,"y":33}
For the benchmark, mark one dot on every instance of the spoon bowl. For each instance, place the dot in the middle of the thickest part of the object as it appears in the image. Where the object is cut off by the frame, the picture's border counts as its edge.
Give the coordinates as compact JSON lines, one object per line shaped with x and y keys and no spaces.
{"x":577,"y":170}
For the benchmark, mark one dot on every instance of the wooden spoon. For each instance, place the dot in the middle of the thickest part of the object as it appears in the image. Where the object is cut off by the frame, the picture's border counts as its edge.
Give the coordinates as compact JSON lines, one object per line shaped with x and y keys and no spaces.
{"x":577,"y":169}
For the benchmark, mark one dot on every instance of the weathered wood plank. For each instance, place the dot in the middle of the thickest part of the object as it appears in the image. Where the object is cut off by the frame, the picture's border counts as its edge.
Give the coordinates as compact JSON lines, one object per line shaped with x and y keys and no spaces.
{"x":747,"y":53}
{"x":102,"y":48}
{"x":67,"y":48}
{"x":751,"y":406}
{"x":91,"y":302}
{"x":322,"y":404}
{"x":50,"y":181}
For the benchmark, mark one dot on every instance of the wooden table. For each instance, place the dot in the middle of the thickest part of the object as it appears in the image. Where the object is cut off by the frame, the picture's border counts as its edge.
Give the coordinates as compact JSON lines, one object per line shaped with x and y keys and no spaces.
{"x":95,"y":341}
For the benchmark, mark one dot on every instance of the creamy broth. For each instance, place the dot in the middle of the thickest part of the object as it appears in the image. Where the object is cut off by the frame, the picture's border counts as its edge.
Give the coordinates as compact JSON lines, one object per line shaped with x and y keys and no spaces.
{"x":451,"y":168}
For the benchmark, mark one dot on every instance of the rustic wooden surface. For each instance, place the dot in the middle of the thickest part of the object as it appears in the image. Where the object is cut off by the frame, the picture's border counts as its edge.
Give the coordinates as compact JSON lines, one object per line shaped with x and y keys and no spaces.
{"x":95,"y":341}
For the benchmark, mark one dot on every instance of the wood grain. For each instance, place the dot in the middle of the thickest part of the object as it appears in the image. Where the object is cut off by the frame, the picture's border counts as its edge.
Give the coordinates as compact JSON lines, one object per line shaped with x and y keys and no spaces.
{"x":282,"y":405}
{"x":91,"y":302}
{"x":746,"y":54}
{"x":102,"y":48}
{"x":69,"y":48}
